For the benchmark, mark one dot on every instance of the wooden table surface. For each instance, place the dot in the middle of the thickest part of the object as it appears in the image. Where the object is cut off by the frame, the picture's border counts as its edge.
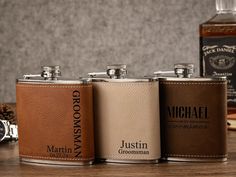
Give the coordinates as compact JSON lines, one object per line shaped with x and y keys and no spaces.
{"x":10,"y":166}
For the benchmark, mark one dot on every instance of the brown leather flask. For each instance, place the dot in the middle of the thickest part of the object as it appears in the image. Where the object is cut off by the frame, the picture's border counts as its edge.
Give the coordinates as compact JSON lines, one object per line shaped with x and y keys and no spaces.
{"x":55,"y":119}
{"x":127,"y":123}
{"x":193,"y":117}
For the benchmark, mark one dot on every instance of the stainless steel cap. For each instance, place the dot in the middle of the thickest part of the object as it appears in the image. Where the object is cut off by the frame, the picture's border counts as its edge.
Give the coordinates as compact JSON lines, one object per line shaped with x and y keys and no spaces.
{"x":50,"y":75}
{"x":184,"y":70}
{"x":117,"y":71}
{"x":51,"y":72}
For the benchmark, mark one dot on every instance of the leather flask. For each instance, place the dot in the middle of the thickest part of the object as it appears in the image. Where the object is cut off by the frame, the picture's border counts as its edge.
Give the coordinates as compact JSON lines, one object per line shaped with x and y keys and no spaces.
{"x":127,"y":124}
{"x":193,"y":116}
{"x":55,"y":119}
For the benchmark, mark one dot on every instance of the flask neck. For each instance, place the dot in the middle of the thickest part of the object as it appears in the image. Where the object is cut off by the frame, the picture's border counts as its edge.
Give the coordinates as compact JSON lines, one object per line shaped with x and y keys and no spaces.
{"x":225,"y":6}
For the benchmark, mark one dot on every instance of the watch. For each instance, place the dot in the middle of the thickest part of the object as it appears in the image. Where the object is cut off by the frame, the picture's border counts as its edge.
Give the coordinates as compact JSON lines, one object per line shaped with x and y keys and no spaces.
{"x":8,"y":131}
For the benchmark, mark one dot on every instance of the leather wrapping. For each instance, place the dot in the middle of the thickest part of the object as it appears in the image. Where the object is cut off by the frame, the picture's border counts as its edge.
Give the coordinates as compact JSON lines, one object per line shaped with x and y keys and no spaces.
{"x":45,"y":118}
{"x":127,"y":112}
{"x":194,"y":138}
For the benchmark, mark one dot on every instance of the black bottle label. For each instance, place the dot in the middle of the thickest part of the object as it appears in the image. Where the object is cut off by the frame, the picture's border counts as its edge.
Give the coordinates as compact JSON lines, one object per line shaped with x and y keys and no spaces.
{"x":218,"y":58}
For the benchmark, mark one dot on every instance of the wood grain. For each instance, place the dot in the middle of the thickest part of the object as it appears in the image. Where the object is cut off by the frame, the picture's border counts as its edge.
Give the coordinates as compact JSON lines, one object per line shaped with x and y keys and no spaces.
{"x":10,"y":166}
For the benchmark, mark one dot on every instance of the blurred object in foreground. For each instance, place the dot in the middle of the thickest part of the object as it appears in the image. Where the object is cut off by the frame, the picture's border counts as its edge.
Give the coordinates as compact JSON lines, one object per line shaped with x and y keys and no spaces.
{"x":8,"y":112}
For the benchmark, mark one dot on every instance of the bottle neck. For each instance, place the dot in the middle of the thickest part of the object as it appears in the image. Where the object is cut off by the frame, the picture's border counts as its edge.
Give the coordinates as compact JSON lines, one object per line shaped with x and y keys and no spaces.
{"x":225,"y":6}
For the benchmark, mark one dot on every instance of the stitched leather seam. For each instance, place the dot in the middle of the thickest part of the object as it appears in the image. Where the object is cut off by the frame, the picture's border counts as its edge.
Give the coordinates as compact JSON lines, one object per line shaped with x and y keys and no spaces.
{"x":120,"y":158}
{"x":189,"y":155}
{"x":54,"y":86}
{"x":122,"y":83}
{"x":130,"y":157}
{"x":193,"y":83}
{"x":54,"y":158}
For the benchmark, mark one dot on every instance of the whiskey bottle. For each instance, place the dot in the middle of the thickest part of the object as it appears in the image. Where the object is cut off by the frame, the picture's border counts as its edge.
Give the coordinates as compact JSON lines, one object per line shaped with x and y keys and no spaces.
{"x":218,"y":48}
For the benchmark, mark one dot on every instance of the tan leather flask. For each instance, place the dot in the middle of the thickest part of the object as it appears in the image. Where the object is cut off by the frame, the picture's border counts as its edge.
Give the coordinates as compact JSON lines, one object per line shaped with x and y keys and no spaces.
{"x":127,"y":124}
{"x":55,"y":119}
{"x":193,"y":116}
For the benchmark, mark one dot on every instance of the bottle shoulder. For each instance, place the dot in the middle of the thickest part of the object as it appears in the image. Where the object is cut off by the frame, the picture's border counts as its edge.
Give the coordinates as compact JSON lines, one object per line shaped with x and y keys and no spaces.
{"x":224,"y":18}
{"x":219,"y":25}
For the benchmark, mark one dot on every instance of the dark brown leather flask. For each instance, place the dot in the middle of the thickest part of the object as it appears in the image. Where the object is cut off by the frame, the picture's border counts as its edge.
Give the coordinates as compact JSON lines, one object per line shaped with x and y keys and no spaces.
{"x":55,"y":119}
{"x":193,"y":116}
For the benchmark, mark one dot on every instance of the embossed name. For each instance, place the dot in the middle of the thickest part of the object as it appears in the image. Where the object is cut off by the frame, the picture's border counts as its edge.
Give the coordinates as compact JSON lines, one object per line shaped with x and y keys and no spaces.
{"x":187,"y":112}
{"x":77,"y":124}
{"x":54,"y":149}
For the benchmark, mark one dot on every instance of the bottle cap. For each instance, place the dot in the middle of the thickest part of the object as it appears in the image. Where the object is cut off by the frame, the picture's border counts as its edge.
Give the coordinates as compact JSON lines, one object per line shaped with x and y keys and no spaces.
{"x":225,"y":6}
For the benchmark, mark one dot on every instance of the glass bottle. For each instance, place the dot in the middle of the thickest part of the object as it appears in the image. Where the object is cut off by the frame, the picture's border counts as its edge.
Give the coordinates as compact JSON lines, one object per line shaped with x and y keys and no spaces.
{"x":218,"y":48}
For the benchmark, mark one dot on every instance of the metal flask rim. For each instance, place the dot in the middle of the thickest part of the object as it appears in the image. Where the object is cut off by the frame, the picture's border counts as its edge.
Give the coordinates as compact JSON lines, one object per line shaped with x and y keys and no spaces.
{"x":58,"y":81}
